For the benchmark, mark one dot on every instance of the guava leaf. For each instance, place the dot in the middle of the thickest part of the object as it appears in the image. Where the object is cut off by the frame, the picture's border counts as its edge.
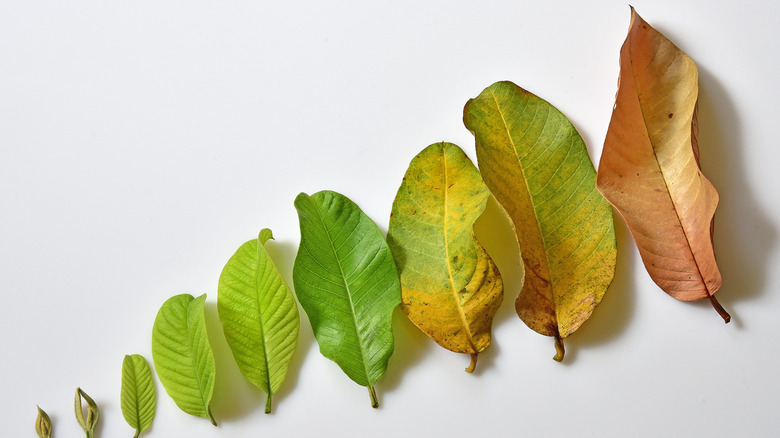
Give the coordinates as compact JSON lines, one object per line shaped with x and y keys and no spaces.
{"x":650,"y":170}
{"x":536,"y":165}
{"x":138,"y":396}
{"x":450,"y":287}
{"x":259,"y":315}
{"x":182,"y":355}
{"x":346,"y":281}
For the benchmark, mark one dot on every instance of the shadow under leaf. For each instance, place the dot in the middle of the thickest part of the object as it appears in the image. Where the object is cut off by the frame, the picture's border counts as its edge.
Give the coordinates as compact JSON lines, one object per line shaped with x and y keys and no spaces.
{"x":613,"y":314}
{"x":744,"y":235}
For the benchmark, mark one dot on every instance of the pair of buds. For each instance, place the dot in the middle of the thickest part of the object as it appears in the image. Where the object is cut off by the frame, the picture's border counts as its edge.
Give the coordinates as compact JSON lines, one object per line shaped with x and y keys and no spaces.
{"x":43,"y":422}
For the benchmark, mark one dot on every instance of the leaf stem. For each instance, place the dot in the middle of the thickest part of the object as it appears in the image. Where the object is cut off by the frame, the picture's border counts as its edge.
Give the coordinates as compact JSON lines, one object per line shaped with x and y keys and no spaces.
{"x":721,"y":311}
{"x":211,"y":417}
{"x":372,"y":394}
{"x":268,"y":404}
{"x":473,"y":364}
{"x":559,"y":350}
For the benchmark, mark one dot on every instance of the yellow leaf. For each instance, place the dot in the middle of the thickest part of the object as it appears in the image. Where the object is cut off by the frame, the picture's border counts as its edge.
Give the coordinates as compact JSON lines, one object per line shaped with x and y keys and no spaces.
{"x":450,"y":287}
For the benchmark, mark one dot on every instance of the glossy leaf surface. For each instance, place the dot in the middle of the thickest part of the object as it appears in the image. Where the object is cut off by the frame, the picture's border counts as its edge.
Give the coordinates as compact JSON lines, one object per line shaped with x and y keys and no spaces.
{"x":536,"y":165}
{"x":346,"y":281}
{"x":138,"y":396}
{"x":450,"y":286}
{"x":259,"y":315}
{"x":182,"y":355}
{"x":650,"y":170}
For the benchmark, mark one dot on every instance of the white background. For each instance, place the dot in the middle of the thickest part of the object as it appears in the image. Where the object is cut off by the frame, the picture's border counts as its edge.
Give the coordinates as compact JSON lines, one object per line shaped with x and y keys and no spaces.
{"x":142,"y":142}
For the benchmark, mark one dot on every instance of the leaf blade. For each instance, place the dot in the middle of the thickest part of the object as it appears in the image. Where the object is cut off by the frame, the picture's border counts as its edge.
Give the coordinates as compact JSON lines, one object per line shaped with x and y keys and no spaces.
{"x":138,"y":396}
{"x":452,"y":288}
{"x":649,"y":168}
{"x":536,"y":165}
{"x":182,"y":355}
{"x":346,"y":281}
{"x":259,"y":315}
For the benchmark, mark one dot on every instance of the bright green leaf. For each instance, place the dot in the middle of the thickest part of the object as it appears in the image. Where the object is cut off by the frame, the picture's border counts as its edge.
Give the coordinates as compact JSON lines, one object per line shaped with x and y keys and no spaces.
{"x":536,"y":165}
{"x":259,"y":315}
{"x":450,"y":286}
{"x":182,"y":354}
{"x":347,"y":283}
{"x":138,"y":396}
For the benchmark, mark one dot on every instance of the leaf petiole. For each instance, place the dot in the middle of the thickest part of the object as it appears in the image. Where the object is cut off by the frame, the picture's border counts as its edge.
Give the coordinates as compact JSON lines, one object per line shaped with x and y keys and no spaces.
{"x":372,"y":394}
{"x":559,"y":350}
{"x":473,"y":364}
{"x":721,"y":311}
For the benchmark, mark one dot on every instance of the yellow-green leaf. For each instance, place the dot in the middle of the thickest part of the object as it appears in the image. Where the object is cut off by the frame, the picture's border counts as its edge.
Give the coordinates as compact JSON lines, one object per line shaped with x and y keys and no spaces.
{"x":536,"y":165}
{"x":138,"y":396}
{"x":182,"y":354}
{"x":259,"y":315}
{"x":450,"y":287}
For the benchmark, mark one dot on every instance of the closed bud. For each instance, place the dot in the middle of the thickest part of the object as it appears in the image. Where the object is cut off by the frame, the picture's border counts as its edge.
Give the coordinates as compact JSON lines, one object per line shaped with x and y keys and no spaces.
{"x":43,"y":424}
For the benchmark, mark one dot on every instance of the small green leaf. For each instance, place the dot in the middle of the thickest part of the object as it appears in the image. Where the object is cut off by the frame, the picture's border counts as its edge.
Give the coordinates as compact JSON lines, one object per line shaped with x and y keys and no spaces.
{"x":138,"y":397}
{"x":93,"y":414}
{"x":182,"y":354}
{"x":347,"y":283}
{"x":259,"y":315}
{"x":43,"y":424}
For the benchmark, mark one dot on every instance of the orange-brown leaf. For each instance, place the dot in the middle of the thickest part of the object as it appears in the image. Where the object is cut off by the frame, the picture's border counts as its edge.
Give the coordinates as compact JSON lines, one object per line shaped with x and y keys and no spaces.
{"x":649,"y":168}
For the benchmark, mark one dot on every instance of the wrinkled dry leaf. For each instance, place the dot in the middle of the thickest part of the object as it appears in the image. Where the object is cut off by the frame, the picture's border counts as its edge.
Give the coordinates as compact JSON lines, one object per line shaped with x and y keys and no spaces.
{"x":650,"y":170}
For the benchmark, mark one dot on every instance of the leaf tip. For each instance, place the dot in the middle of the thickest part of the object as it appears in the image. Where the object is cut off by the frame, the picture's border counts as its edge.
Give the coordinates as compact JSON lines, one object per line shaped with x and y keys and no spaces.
{"x":211,"y":417}
{"x":264,"y":235}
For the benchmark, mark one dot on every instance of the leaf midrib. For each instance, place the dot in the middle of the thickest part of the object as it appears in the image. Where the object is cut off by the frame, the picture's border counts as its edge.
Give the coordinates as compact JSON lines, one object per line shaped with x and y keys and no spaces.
{"x":192,"y":355}
{"x":134,"y":379}
{"x":663,"y":175}
{"x":531,"y":199}
{"x":461,"y":313}
{"x":260,"y":319}
{"x":348,"y":293}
